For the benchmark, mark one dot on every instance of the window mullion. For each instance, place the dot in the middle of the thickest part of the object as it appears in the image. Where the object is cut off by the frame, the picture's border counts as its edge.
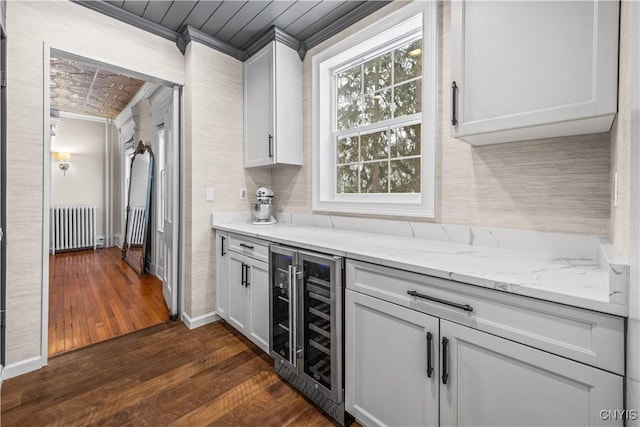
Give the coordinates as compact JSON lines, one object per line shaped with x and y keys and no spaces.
{"x":409,"y":120}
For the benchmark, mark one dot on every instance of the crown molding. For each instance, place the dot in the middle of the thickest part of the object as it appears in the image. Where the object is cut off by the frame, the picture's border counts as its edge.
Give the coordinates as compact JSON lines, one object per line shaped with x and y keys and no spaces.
{"x":78,"y":116}
{"x":273,"y":33}
{"x":128,"y":17}
{"x":190,"y":34}
{"x":144,"y":92}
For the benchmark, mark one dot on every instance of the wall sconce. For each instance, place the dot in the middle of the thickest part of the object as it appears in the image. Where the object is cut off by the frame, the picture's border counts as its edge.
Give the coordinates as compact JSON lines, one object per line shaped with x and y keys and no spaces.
{"x":64,"y":159}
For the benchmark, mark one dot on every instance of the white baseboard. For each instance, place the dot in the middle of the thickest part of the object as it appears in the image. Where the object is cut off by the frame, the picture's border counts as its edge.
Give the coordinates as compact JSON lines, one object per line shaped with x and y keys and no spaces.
{"x":199,"y":320}
{"x":22,"y":367}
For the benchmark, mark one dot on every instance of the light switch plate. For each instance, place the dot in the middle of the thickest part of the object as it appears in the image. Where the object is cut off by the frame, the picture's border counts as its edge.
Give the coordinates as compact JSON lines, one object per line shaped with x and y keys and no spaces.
{"x":210,"y":194}
{"x":243,"y":194}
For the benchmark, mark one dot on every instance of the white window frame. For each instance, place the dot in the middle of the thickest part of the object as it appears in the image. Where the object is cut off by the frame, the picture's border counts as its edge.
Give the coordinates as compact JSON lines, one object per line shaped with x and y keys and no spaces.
{"x":370,"y":41}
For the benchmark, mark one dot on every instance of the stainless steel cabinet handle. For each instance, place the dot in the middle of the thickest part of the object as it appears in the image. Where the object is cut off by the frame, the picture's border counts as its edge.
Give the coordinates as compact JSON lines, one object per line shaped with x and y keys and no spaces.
{"x":465,"y":307}
{"x":292,"y":348}
{"x":445,"y":347}
{"x":222,"y":252}
{"x":244,"y":245}
{"x":246,"y":275}
{"x":454,"y":104}
{"x":294,"y":313}
{"x":270,"y":146}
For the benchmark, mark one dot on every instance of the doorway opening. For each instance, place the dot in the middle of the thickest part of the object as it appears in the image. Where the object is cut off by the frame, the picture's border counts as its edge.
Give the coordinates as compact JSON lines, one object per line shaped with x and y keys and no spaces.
{"x":114,"y":214}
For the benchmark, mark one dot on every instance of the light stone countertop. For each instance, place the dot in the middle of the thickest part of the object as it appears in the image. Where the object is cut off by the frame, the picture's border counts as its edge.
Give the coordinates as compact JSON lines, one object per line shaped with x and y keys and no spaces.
{"x":581,"y":277}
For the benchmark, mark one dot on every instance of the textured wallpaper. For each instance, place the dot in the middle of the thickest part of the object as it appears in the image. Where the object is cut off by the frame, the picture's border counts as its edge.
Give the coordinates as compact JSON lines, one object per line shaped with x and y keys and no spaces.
{"x":560,"y":184}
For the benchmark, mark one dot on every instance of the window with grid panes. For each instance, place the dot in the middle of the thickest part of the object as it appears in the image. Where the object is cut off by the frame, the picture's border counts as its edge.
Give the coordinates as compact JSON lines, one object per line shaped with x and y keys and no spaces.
{"x":374,"y":112}
{"x":378,"y":120}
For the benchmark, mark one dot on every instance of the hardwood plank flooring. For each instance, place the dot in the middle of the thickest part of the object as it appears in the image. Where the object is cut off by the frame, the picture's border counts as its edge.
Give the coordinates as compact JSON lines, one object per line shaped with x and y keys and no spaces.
{"x":95,"y":296}
{"x":166,"y":375}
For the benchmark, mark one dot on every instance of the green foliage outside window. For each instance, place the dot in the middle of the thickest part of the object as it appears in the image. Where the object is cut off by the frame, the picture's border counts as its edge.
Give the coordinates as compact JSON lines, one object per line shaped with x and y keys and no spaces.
{"x":387,"y":87}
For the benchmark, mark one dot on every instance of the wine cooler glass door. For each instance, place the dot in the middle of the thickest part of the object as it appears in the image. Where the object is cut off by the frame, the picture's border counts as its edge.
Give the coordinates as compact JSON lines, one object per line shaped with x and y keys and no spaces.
{"x":282,"y":311}
{"x":321,"y":323}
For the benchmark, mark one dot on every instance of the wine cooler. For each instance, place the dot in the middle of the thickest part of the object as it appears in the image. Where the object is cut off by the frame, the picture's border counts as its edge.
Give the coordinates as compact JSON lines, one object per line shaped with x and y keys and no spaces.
{"x":306,"y":292}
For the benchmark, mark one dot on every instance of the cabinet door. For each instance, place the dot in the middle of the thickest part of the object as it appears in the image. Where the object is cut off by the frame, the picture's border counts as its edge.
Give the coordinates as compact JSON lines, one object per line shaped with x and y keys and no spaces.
{"x":221,"y":274}
{"x":519,"y":65}
{"x":258,"y":280}
{"x":259,"y":115}
{"x":496,"y":382}
{"x":237,"y":293}
{"x":387,"y":363}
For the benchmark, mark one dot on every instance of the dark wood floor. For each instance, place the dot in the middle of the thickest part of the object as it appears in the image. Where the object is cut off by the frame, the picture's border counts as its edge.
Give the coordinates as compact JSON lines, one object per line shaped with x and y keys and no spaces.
{"x":95,"y":296}
{"x":164,"y":375}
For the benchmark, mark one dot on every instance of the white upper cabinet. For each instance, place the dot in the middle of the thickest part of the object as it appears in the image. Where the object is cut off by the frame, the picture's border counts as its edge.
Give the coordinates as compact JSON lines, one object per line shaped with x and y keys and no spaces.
{"x":525,"y":70}
{"x":273,"y":107}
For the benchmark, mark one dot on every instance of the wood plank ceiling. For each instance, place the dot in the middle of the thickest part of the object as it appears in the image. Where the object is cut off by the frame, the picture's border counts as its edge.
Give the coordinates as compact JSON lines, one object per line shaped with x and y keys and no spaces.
{"x":237,"y":27}
{"x":240,"y":23}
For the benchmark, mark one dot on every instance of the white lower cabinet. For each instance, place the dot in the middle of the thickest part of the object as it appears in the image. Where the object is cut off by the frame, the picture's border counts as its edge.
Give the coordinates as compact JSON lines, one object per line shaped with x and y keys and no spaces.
{"x":239,"y":297}
{"x":496,"y":382}
{"x":258,"y":273}
{"x":388,"y":377}
{"x":247,"y":297}
{"x":478,"y":379}
{"x":222,"y":254}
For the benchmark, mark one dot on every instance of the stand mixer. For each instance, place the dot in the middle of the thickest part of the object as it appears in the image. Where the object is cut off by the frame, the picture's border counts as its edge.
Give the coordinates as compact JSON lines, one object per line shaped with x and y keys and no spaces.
{"x":262,"y":210}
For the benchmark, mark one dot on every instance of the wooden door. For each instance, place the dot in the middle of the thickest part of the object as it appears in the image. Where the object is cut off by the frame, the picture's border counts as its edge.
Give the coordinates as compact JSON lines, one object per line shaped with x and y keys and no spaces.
{"x":496,"y":382}
{"x":388,"y":377}
{"x":171,"y":183}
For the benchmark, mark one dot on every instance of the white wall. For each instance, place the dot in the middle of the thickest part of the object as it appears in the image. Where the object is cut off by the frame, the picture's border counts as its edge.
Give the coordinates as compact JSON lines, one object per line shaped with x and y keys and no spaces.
{"x":84,"y":181}
{"x":213,"y":105}
{"x":72,"y":28}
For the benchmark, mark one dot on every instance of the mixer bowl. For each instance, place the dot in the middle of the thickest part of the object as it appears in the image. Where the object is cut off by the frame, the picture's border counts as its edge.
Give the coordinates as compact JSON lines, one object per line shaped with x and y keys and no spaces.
{"x":261,"y":211}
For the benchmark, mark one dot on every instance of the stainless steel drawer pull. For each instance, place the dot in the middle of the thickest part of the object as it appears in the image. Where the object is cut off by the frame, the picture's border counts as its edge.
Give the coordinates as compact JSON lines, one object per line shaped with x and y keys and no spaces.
{"x":465,"y":307}
{"x":244,"y":245}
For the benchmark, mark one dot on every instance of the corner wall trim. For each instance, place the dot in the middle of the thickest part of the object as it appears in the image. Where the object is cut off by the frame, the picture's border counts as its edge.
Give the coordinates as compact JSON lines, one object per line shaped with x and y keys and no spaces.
{"x":198,"y":321}
{"x":129,"y":18}
{"x":22,"y":367}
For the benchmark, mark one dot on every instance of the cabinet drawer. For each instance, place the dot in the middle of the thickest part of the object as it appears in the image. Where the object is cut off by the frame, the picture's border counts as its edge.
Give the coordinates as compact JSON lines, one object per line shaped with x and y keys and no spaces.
{"x":253,"y":248}
{"x":586,"y":336}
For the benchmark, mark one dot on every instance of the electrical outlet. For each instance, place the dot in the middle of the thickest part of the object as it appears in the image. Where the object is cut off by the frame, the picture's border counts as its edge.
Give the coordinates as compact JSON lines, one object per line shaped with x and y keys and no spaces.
{"x":210,"y":194}
{"x":243,"y":194}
